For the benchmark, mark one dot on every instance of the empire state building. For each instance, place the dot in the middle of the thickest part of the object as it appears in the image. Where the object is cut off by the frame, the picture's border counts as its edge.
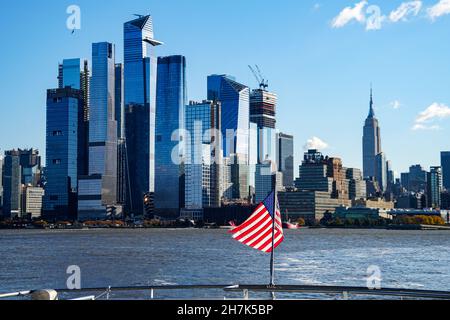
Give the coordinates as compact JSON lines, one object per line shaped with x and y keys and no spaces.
{"x":371,"y":142}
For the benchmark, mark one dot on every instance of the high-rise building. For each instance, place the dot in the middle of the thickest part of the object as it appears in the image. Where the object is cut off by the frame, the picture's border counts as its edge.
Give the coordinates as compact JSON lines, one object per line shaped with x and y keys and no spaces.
{"x":381,"y":170}
{"x":445,"y":164}
{"x":140,"y":66}
{"x":371,"y":142}
{"x":74,"y":74}
{"x":263,"y":108}
{"x":97,"y":192}
{"x":417,"y":179}
{"x":286,"y":158}
{"x":12,"y":186}
{"x":203,"y":156}
{"x":65,"y":110}
{"x":119,"y":114}
{"x":357,"y":185}
{"x":235,"y":124}
{"x":267,"y":178}
{"x":119,"y":107}
{"x":171,"y":99}
{"x":319,"y":173}
{"x":1,"y":185}
{"x":32,"y":201}
{"x":235,"y":100}
{"x":30,"y":162}
{"x":434,"y":187}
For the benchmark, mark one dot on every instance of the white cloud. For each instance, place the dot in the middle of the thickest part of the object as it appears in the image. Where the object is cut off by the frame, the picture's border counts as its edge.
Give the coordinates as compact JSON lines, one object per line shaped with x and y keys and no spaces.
{"x":404,"y":10}
{"x":437,"y":111}
{"x":315,"y":143}
{"x":349,"y":14}
{"x":395,"y":104}
{"x":418,"y":127}
{"x":439,"y":9}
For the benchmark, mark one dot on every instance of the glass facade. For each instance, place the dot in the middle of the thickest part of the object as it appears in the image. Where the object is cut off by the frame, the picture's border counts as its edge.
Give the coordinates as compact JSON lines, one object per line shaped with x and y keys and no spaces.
{"x":11,"y":185}
{"x":119,"y":110}
{"x":445,"y":164}
{"x":102,"y":134}
{"x":140,"y":67}
{"x":203,"y":167}
{"x":171,"y":99}
{"x":286,"y":158}
{"x":71,"y":69}
{"x":64,"y":113}
{"x":235,"y":100}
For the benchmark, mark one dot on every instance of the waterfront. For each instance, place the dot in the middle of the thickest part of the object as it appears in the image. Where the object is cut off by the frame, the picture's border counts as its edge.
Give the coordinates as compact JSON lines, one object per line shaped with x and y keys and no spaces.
{"x":35,"y":259}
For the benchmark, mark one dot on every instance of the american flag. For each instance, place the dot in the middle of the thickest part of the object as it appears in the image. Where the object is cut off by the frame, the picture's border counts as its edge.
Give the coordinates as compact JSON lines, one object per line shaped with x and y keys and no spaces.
{"x":257,"y":231}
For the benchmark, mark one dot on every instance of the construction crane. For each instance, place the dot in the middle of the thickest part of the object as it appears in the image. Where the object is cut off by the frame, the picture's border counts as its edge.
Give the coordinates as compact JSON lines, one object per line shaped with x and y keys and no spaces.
{"x":263,"y":84}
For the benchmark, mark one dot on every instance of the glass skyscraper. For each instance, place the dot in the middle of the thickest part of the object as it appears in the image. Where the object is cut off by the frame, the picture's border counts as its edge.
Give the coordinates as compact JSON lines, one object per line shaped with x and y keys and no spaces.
{"x":171,"y":99}
{"x":203,"y":156}
{"x":64,"y":115}
{"x":140,"y":66}
{"x":235,"y":100}
{"x":286,"y":158}
{"x":98,"y":191}
{"x":445,"y":164}
{"x":77,"y":76}
{"x":11,"y":184}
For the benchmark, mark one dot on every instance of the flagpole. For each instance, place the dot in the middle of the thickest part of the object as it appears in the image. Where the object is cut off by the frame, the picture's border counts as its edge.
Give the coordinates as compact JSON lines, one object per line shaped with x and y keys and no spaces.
{"x":272,"y":259}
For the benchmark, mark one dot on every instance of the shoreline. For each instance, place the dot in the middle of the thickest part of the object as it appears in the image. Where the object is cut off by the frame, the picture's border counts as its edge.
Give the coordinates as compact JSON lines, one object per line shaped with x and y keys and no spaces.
{"x":392,"y":227}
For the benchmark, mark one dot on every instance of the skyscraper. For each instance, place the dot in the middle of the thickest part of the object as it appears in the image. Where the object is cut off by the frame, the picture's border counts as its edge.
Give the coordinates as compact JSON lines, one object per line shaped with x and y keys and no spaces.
{"x":140,"y":110}
{"x":417,"y":179}
{"x":77,"y":76}
{"x":371,"y":142}
{"x":97,"y":192}
{"x":263,"y":108}
{"x":171,"y":98}
{"x":235,"y":104}
{"x":445,"y":164}
{"x":119,"y":114}
{"x":286,"y":158}
{"x":203,"y":156}
{"x":64,"y":116}
{"x":12,"y":184}
{"x":381,"y":170}
{"x":434,"y":187}
{"x":119,"y":107}
{"x":320,"y":173}
{"x":235,"y":100}
{"x":1,"y":184}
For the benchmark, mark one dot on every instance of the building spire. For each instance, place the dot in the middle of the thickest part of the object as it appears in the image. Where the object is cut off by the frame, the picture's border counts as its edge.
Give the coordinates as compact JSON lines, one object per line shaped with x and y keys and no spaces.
{"x":371,"y":112}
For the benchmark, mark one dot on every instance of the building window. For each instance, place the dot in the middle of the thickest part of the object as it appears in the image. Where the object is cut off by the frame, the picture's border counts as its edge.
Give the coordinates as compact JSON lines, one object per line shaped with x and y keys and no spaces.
{"x":56,"y":161}
{"x":53,"y":198}
{"x":57,"y":133}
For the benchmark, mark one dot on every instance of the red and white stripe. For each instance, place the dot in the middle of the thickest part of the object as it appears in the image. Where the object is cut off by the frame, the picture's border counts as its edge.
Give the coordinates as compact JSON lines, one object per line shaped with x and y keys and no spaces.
{"x":257,"y":231}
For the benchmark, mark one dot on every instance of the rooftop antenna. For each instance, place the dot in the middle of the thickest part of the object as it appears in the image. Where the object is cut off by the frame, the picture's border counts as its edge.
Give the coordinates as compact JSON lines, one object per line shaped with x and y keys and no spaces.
{"x":263,"y":84}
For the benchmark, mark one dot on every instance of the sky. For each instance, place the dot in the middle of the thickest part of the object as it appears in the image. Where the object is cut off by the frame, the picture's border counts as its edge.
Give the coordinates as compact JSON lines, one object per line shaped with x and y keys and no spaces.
{"x":320,"y":57}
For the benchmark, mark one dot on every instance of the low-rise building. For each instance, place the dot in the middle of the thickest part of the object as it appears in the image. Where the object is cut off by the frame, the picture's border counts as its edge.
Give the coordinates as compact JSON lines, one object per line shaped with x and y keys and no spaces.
{"x":362,"y":213}
{"x":309,"y":205}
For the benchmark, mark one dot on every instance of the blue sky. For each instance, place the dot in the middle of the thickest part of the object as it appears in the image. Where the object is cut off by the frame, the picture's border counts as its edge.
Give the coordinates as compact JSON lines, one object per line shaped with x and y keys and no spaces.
{"x":319,"y":57}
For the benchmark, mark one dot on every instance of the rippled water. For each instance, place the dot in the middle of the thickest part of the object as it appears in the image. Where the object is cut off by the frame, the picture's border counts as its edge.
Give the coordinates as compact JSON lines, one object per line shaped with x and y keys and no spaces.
{"x":39,"y":259}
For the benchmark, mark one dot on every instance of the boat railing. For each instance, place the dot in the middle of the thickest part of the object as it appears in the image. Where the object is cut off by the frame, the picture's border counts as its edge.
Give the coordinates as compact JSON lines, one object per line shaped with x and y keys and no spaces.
{"x":244,"y":292}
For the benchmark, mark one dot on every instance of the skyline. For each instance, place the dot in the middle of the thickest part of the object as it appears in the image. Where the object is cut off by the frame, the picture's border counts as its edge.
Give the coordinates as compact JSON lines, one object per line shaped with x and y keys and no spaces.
{"x":399,"y":101}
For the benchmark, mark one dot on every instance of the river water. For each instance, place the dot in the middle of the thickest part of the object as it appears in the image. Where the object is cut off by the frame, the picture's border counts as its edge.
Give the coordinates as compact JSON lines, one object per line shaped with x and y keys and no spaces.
{"x":39,"y":259}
